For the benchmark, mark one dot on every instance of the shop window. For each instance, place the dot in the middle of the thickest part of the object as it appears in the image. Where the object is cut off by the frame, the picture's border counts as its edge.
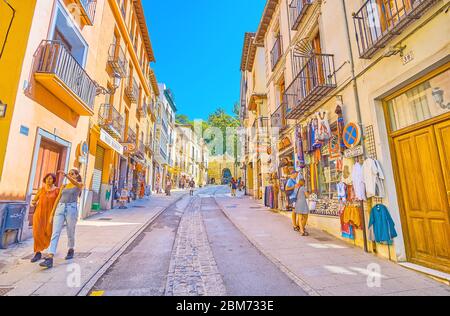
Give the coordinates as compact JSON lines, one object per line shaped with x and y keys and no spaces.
{"x":426,"y":100}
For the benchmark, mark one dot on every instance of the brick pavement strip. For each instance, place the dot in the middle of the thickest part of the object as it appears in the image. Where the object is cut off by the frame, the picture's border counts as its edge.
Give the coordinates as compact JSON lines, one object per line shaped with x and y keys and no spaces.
{"x":193,"y":270}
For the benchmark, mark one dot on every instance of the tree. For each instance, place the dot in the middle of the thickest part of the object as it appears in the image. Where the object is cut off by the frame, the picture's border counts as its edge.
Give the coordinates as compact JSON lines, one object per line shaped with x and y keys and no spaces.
{"x":182,"y":119}
{"x":222,"y":120}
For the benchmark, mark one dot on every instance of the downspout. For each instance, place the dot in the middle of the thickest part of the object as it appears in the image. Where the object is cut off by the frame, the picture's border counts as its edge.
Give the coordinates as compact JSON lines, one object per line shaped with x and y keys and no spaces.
{"x":357,"y":103}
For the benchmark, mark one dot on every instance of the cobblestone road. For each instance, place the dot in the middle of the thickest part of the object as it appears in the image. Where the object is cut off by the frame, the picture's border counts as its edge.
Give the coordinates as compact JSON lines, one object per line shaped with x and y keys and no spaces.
{"x":193,"y":270}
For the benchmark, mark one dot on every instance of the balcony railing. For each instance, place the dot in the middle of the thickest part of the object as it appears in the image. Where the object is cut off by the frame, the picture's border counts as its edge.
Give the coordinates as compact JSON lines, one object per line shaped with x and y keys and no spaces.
{"x":315,"y":79}
{"x":88,"y":8}
{"x":277,"y":52}
{"x":131,"y":136}
{"x":132,"y":91}
{"x":278,"y":118}
{"x":141,"y":148}
{"x":117,"y":60}
{"x":297,"y":10}
{"x":379,"y":21}
{"x":141,"y":111}
{"x":54,"y":60}
{"x":111,"y":120}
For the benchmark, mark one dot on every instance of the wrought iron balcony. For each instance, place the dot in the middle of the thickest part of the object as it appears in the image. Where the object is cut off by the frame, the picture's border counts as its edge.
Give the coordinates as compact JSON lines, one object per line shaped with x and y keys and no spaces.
{"x":141,"y":110}
{"x":132,"y":91}
{"x":278,"y":118}
{"x":60,"y":73}
{"x":87,"y":10}
{"x":277,"y":52}
{"x":130,"y":138}
{"x":141,"y":148}
{"x":111,"y":120}
{"x":117,"y":60}
{"x":315,"y":79}
{"x":297,"y":10}
{"x":378,"y":21}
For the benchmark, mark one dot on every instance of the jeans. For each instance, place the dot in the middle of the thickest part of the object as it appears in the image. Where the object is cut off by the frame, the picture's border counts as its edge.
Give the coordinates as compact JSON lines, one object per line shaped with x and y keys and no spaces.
{"x":65,"y":213}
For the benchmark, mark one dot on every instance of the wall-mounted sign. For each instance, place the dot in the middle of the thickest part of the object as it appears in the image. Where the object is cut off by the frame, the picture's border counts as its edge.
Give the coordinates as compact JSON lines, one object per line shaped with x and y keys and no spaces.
{"x":84,"y":149}
{"x":354,"y":152}
{"x":111,"y":142}
{"x":407,"y":58}
{"x":352,"y":135}
{"x":24,"y":130}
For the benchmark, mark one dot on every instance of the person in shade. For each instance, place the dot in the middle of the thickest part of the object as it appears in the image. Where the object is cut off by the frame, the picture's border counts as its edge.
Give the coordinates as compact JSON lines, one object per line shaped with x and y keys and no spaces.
{"x":233,"y":187}
{"x":43,"y":202}
{"x":65,"y":211}
{"x":301,"y":208}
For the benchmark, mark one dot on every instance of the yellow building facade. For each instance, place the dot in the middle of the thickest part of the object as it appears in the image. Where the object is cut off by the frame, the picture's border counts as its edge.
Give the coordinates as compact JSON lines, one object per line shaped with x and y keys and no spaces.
{"x":84,"y":100}
{"x":367,"y":68}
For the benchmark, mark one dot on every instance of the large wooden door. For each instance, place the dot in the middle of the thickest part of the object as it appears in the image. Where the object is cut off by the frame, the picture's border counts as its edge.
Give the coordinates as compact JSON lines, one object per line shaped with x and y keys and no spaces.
{"x":423,"y":166}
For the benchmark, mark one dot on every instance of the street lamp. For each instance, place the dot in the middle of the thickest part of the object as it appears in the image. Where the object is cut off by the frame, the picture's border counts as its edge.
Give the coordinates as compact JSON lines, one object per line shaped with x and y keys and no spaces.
{"x":102,"y":90}
{"x":2,"y":109}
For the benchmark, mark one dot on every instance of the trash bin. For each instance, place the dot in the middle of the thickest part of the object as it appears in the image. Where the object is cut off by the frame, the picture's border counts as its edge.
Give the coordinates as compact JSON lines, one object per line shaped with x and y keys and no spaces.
{"x":11,"y":219}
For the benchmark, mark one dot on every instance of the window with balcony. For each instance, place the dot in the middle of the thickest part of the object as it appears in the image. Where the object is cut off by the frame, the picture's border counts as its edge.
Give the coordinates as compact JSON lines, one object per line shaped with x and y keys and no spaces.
{"x":277,"y":50}
{"x":87,"y":8}
{"x":116,"y":58}
{"x":378,"y":21}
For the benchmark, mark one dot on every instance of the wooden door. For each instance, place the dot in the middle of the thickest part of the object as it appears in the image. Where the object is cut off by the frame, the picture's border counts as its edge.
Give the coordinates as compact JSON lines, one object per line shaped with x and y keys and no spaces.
{"x":424,"y":194}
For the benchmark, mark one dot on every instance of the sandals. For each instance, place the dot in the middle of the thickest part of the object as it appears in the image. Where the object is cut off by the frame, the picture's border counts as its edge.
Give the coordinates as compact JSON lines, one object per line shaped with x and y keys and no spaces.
{"x":297,"y":229}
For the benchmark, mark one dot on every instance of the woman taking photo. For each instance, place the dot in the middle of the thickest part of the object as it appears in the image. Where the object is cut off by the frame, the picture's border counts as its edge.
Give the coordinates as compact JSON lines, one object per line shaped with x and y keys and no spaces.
{"x":65,"y":211}
{"x":44,"y":203}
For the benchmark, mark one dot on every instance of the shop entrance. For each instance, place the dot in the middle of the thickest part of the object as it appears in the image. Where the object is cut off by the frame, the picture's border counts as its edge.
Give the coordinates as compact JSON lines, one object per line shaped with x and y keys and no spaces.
{"x":423,"y":162}
{"x":420,"y":132}
{"x":51,"y":158}
{"x":97,"y":177}
{"x":250,"y":179}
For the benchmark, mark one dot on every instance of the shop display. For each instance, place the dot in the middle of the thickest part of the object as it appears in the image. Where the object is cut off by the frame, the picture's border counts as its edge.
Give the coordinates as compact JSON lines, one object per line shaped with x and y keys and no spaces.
{"x":269,"y":197}
{"x":340,"y":127}
{"x":299,"y":152}
{"x":324,"y":129}
{"x":352,"y":215}
{"x":342,"y":192}
{"x":358,"y":182}
{"x":373,"y":178}
{"x":381,"y":225}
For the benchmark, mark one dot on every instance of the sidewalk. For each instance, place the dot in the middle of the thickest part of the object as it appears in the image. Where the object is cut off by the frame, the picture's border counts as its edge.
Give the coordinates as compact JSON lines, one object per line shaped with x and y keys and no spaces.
{"x":98,"y":239}
{"x":320,"y":263}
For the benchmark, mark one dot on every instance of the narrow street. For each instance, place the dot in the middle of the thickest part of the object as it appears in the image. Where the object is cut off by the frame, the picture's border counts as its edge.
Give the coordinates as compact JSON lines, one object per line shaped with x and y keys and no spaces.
{"x":193,"y":249}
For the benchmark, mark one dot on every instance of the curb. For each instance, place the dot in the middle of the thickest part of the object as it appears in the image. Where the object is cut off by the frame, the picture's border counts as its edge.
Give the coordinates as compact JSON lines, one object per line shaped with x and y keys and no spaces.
{"x":301,"y":283}
{"x":119,"y":250}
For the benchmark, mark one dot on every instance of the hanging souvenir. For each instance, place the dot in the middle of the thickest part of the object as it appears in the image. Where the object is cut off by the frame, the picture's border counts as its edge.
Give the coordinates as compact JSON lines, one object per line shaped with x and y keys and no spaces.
{"x":324,"y":129}
{"x":340,"y":127}
{"x":316,"y":143}
{"x":299,"y":154}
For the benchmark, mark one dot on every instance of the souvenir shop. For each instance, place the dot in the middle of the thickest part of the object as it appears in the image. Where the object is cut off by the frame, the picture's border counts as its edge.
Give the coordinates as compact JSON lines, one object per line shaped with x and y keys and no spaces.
{"x":344,"y":180}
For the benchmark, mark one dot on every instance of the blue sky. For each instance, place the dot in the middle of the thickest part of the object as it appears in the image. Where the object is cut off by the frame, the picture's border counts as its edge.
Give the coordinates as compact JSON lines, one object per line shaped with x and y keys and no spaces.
{"x":198,"y":45}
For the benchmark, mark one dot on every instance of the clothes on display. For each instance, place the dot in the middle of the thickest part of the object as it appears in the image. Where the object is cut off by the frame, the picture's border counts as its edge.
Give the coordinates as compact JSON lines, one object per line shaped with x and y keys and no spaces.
{"x":340,"y":127}
{"x":352,"y":215}
{"x":269,"y":197}
{"x":373,"y":178}
{"x":358,"y":182}
{"x":324,"y":129}
{"x":299,"y":152}
{"x":347,"y":167}
{"x":316,"y":143}
{"x":347,"y":229}
{"x":381,"y":225}
{"x":342,"y":192}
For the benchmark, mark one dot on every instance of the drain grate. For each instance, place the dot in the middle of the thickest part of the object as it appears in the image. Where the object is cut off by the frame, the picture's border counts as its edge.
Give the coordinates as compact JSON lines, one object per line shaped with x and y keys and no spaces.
{"x":139,"y":206}
{"x":82,"y":255}
{"x":323,"y":239}
{"x":105,"y":219}
{"x":4,"y":291}
{"x":28,"y":257}
{"x":257,"y":208}
{"x":232,"y":206}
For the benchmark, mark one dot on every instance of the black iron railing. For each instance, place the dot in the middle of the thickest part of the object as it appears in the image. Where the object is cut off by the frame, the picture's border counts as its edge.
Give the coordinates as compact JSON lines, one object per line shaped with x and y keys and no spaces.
{"x":132,"y":91}
{"x":117,"y":60}
{"x":131,"y":136}
{"x":314,"y":79}
{"x":111,"y":120}
{"x":297,"y":10}
{"x":276,"y":52}
{"x":380,"y":20}
{"x":89,"y":7}
{"x":54,"y":58}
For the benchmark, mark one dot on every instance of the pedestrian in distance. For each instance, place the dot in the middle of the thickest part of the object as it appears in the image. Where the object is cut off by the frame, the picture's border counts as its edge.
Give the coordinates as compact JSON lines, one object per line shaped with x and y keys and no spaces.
{"x":192,"y":187}
{"x":233,"y":187}
{"x":65,"y":211}
{"x":44,"y":203}
{"x":168,"y":186}
{"x":301,"y":208}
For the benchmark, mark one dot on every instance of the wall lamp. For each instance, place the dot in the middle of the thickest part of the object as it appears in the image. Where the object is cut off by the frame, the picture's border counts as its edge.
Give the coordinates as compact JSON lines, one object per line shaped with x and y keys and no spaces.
{"x":3,"y":107}
{"x":103,"y":90}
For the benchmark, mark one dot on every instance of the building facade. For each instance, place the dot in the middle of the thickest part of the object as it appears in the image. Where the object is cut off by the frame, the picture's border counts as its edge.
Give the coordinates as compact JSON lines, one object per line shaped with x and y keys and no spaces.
{"x":356,"y":84}
{"x":83,"y":101}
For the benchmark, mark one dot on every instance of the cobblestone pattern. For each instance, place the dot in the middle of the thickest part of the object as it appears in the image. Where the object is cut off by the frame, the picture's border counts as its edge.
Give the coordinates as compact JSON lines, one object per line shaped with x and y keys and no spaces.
{"x":193,"y":270}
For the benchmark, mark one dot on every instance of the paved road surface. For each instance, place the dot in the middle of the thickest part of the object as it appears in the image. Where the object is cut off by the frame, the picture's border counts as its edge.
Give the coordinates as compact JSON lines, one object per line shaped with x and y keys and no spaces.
{"x":192,"y":249}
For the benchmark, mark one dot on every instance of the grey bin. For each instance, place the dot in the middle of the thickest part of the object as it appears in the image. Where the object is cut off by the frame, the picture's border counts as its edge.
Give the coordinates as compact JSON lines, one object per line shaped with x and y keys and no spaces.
{"x":11,"y":219}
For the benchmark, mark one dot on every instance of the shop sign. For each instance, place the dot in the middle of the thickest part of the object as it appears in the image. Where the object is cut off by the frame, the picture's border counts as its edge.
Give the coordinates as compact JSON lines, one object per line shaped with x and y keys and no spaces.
{"x":129,"y":148}
{"x":352,"y":135}
{"x":354,"y":152}
{"x":335,"y":148}
{"x":111,"y":142}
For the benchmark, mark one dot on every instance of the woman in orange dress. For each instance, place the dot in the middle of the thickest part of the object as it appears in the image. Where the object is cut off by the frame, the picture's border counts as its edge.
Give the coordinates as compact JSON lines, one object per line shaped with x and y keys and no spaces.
{"x":44,"y":203}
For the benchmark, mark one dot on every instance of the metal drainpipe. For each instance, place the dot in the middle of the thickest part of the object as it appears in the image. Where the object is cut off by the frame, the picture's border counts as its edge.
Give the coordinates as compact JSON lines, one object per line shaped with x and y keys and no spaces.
{"x":358,"y":106}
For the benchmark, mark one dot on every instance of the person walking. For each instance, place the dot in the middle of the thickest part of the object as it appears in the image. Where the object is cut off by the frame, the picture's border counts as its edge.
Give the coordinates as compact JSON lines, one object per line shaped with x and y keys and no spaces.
{"x":233,"y":187}
{"x":192,"y":186}
{"x":43,"y":202}
{"x":301,"y":208}
{"x":239,"y":184}
{"x":65,"y":211}
{"x":168,"y":185}
{"x":290,"y":191}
